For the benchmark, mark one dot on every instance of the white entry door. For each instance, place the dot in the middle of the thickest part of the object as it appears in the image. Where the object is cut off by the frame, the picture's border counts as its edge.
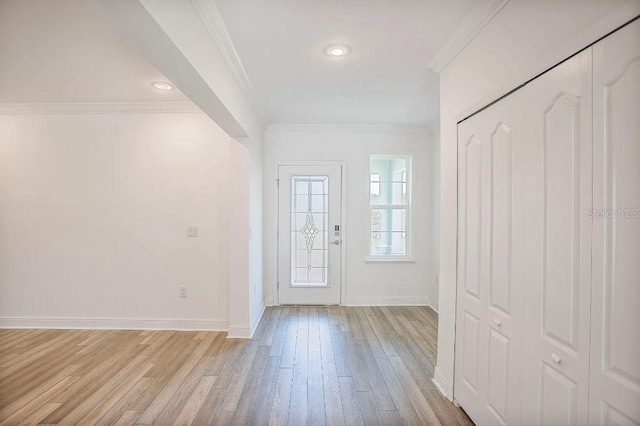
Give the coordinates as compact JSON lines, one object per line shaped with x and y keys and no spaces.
{"x":309,"y":235}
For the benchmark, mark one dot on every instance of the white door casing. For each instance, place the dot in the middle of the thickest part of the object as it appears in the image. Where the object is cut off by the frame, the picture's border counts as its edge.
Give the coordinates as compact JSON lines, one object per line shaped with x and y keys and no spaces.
{"x":309,"y":234}
{"x":558,"y":247}
{"x":615,"y":315}
{"x":490,"y":263}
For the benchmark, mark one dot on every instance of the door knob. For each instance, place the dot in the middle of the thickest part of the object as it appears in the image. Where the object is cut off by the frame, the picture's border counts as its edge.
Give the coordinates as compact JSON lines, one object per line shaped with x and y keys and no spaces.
{"x":555,"y":358}
{"x":336,"y":242}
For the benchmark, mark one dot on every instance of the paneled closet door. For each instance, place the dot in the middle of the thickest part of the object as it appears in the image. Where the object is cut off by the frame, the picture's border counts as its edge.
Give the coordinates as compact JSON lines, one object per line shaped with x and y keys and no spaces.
{"x":558,"y":267}
{"x":615,"y":316}
{"x":491,"y":191}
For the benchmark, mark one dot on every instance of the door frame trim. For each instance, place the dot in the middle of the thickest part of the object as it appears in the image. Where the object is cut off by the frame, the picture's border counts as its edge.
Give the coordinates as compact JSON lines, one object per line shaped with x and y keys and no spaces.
{"x":343,"y":220}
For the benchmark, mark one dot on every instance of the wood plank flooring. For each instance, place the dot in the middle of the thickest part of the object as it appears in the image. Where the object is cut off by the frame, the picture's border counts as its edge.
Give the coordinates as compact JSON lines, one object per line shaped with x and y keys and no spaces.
{"x":305,"y":365}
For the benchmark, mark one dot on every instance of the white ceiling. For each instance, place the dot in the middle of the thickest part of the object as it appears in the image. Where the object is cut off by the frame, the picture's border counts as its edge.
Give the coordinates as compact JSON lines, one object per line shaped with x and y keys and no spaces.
{"x":61,"y":51}
{"x":384,"y":80}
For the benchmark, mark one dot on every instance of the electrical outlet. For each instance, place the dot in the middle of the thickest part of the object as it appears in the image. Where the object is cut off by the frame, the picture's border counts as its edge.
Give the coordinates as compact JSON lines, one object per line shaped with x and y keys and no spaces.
{"x":192,"y":231}
{"x":183,"y":292}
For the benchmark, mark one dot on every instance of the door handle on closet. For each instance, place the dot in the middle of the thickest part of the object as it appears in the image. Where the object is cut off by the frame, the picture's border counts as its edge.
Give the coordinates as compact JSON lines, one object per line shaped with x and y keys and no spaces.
{"x":555,"y":358}
{"x":336,"y":242}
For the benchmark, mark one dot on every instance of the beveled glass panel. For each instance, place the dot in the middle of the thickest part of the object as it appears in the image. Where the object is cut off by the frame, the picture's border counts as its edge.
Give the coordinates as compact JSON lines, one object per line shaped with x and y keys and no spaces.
{"x":309,"y":230}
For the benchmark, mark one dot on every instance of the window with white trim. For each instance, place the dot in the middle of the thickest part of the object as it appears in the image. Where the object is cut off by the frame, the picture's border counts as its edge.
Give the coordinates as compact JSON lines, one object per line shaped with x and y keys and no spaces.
{"x":389,"y":206}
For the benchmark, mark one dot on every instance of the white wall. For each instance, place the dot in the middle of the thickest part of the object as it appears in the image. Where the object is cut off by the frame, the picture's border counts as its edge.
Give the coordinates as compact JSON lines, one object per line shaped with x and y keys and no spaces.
{"x":366,"y":283}
{"x":256,"y":285}
{"x":182,"y":39}
{"x":94,"y":210}
{"x":187,"y":30}
{"x":238,"y":207}
{"x":523,"y":40}
{"x":434,"y":287}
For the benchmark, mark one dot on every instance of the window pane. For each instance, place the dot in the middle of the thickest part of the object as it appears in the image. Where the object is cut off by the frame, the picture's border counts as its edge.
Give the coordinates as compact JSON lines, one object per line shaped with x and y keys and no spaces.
{"x":388,"y":244}
{"x":388,"y":220}
{"x":309,"y":230}
{"x":388,"y":193}
{"x":388,"y":168}
{"x":374,"y":186}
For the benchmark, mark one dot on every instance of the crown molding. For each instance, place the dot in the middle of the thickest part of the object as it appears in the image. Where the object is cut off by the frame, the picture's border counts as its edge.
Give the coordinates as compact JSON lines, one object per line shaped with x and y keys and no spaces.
{"x":480,"y":15}
{"x":356,"y":128}
{"x":97,"y":108}
{"x":210,"y":15}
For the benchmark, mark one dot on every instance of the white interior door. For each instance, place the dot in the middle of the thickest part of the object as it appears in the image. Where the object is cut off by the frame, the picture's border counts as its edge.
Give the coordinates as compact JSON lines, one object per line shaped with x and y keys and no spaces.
{"x":615,"y":315}
{"x":309,"y":235}
{"x":558,"y":246}
{"x":490,"y":264}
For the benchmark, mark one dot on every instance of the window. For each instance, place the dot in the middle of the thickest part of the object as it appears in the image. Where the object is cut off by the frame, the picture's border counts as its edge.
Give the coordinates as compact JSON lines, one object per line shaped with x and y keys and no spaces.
{"x":389,"y":206}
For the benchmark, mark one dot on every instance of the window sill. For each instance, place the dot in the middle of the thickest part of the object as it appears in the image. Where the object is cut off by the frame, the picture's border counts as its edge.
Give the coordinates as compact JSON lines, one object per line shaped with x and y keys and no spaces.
{"x":389,"y":259}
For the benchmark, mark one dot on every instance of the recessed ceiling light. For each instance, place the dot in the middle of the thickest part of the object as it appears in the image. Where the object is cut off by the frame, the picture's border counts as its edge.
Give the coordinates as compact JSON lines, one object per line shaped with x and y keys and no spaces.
{"x":161,"y":86}
{"x":337,"y":51}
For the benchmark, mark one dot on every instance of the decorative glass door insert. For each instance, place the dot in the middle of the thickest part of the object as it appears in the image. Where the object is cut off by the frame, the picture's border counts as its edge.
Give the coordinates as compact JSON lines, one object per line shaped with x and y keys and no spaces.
{"x":309,"y":230}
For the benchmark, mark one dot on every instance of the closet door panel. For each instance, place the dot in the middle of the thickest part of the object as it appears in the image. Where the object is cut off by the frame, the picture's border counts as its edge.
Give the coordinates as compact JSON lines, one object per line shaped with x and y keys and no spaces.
{"x":559,"y":397}
{"x":473,"y":216}
{"x":501,"y":223}
{"x":491,"y":193}
{"x":558,"y":278}
{"x":615,"y":375}
{"x":498,"y":373}
{"x":561,"y":145}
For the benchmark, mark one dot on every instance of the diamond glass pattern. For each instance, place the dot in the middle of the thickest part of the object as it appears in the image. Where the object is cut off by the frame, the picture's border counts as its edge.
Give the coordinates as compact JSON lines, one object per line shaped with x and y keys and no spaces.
{"x":309,"y":230}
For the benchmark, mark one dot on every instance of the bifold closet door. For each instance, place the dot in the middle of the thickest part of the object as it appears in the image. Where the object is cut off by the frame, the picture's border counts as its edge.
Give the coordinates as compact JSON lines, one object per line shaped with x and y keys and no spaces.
{"x":491,"y":192}
{"x":615,"y":316}
{"x":558,"y":267}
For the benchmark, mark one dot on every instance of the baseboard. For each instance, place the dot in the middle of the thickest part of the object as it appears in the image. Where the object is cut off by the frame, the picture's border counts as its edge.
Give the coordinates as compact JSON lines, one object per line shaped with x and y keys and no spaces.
{"x":257,"y":316}
{"x":239,"y":333}
{"x":441,"y":382}
{"x":433,"y":307}
{"x":268,"y":301}
{"x":114,"y":323}
{"x":387,"y":301}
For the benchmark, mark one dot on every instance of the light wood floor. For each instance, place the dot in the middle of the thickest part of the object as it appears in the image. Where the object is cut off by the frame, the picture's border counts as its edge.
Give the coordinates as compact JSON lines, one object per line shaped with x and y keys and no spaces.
{"x":334,"y":366}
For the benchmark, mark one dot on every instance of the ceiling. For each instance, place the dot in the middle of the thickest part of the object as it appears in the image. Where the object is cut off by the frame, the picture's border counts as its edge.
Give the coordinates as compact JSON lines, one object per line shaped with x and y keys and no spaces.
{"x":61,"y":52}
{"x":384,"y":80}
